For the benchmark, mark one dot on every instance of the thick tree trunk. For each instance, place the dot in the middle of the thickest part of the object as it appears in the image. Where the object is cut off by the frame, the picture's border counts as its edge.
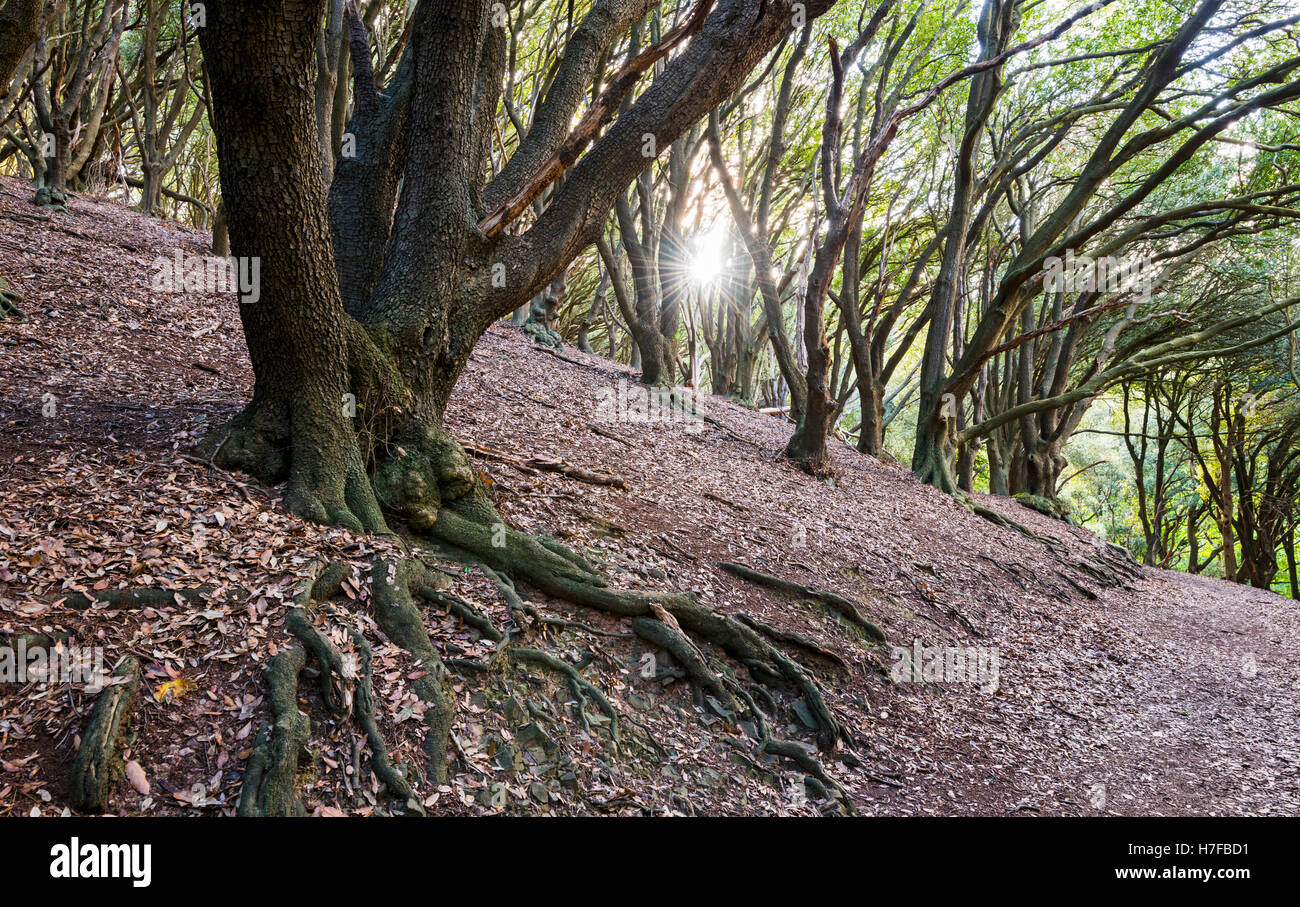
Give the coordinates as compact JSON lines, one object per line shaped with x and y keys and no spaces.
{"x":297,"y":425}
{"x":151,"y":191}
{"x":1043,"y":467}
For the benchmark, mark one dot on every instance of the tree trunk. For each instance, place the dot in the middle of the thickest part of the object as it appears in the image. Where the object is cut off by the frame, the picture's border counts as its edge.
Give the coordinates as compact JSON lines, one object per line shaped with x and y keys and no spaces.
{"x":296,"y":427}
{"x":220,"y":232}
{"x":1292,"y":575}
{"x":20,"y":26}
{"x":151,"y":191}
{"x":932,"y":455}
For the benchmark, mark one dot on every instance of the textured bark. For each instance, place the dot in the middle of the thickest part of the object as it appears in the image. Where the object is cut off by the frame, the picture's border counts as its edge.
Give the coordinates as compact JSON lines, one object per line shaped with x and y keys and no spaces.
{"x":935,"y":446}
{"x":20,"y":25}
{"x":390,"y":316}
{"x":298,"y":337}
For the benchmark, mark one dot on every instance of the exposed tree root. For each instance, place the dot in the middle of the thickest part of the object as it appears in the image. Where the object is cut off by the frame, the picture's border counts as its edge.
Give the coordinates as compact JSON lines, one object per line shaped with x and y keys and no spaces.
{"x":430,"y":484}
{"x":9,"y":300}
{"x":1110,"y":568}
{"x":678,"y":644}
{"x":129,"y":599}
{"x":799,"y":755}
{"x":270,"y":780}
{"x":539,"y":464}
{"x":97,"y":764}
{"x":582,"y":688}
{"x":400,"y":619}
{"x":797,"y":640}
{"x":345,"y":685}
{"x":837,"y":603}
{"x":1006,"y":522}
{"x":470,"y":615}
{"x":364,"y":714}
{"x":338,"y":699}
{"x":51,"y":198}
{"x":1050,"y":507}
{"x":766,"y":663}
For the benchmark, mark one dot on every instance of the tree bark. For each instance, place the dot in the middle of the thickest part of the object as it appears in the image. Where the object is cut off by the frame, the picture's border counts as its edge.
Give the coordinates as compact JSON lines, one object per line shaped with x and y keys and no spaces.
{"x":20,"y":26}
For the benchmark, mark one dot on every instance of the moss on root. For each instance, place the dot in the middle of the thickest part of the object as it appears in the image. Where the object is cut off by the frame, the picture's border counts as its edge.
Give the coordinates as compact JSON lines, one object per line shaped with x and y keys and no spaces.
{"x":270,"y":780}
{"x":97,"y":765}
{"x":426,"y":481}
{"x":397,"y":615}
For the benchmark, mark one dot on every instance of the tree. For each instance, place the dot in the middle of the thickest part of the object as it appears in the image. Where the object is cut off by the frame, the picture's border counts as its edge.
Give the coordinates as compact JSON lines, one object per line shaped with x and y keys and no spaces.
{"x":1083,"y":213}
{"x":71,"y":91}
{"x":374,"y":312}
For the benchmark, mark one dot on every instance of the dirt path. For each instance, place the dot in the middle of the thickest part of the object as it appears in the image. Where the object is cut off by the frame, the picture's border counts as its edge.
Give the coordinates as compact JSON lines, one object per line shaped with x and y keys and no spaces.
{"x":1180,"y":698}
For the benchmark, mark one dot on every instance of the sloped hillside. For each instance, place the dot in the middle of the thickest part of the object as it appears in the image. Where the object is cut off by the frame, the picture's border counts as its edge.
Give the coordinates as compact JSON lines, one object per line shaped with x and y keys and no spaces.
{"x":1103,"y":688}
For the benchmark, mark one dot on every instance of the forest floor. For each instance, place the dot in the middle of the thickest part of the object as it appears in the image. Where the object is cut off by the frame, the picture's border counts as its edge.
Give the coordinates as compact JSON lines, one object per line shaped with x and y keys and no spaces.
{"x":1169,"y":694}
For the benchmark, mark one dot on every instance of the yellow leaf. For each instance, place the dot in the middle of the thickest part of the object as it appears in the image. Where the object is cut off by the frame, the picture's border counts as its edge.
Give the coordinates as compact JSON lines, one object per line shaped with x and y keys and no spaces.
{"x":175,"y":688}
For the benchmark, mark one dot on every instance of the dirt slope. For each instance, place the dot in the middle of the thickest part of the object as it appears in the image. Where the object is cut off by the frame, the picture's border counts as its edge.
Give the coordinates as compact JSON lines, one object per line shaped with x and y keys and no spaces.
{"x":1168,"y":694}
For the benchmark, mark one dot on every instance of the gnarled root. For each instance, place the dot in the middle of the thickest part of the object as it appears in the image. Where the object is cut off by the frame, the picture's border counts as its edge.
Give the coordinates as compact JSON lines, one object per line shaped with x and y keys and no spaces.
{"x":582,"y":689}
{"x":97,"y":763}
{"x":9,"y":300}
{"x":142,"y":597}
{"x":428,"y":481}
{"x":345,"y":681}
{"x":836,"y":603}
{"x":51,"y":198}
{"x":433,"y":485}
{"x":270,"y":781}
{"x":327,"y":481}
{"x":797,"y":640}
{"x":678,"y":644}
{"x":400,"y":619}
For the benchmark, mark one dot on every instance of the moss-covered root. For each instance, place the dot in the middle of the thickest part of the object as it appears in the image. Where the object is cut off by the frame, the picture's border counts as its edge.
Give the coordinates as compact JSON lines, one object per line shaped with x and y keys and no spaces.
{"x":297,"y":622}
{"x":9,"y":300}
{"x":364,"y":711}
{"x":270,"y":780}
{"x":582,"y":689}
{"x":836,"y":603}
{"x":796,"y":753}
{"x":397,"y":615}
{"x":438,"y":492}
{"x":358,"y":682}
{"x":679,"y":645}
{"x":527,"y":559}
{"x":51,"y":198}
{"x":144,"y":597}
{"x":98,"y":764}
